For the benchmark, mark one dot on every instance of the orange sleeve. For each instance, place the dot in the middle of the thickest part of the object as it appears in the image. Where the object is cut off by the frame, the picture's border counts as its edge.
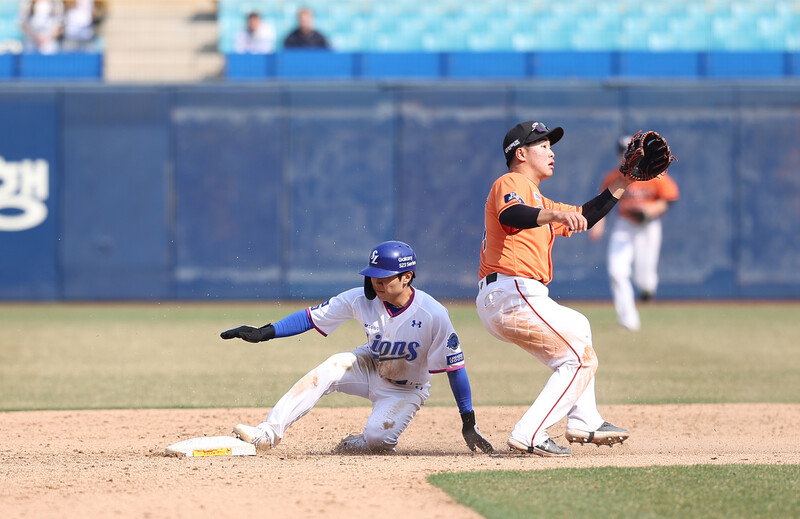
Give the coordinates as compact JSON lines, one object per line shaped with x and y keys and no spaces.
{"x":508,"y":190}
{"x":667,"y":188}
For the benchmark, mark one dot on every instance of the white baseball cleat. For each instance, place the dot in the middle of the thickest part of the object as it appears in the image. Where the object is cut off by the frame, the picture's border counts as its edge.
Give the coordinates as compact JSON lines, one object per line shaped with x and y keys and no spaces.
{"x":547,"y":449}
{"x":258,"y":437}
{"x":353,"y":443}
{"x":357,"y":444}
{"x":606,"y":434}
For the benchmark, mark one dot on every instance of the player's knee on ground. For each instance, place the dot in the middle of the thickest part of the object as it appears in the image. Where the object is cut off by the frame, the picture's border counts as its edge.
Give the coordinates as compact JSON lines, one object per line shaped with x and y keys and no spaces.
{"x":378,"y":440}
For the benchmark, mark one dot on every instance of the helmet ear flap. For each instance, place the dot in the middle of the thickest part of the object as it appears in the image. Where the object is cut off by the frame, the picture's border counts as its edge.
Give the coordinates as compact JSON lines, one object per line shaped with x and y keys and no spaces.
{"x":368,"y":290}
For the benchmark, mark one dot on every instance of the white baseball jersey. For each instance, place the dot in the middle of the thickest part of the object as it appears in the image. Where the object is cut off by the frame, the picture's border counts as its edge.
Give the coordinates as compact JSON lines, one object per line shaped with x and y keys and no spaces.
{"x":408,"y":345}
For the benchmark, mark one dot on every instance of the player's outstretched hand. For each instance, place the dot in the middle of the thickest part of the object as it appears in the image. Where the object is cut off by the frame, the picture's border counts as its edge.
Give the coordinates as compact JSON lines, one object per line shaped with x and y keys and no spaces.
{"x":250,"y":333}
{"x":472,"y":435}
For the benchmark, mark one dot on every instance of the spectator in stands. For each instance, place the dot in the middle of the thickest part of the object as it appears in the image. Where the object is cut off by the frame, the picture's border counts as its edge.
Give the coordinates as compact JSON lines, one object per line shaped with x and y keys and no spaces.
{"x":257,"y":37}
{"x":80,"y":20}
{"x":42,"y":23}
{"x":305,"y":36}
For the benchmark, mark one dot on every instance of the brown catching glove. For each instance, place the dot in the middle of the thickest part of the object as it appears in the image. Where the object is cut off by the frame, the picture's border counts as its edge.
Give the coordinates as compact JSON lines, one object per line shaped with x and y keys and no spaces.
{"x":648,"y":155}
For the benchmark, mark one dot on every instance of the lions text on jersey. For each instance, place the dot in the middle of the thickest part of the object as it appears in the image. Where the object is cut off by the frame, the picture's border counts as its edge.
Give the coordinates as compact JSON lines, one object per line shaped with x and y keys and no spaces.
{"x":407,"y":345}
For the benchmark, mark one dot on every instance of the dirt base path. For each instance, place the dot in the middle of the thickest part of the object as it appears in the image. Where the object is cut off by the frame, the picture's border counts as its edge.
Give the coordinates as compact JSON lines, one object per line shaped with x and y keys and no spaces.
{"x":86,"y":464}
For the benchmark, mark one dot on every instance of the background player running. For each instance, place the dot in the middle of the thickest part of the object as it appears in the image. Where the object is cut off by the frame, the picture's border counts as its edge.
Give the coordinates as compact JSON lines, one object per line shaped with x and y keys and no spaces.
{"x":513,"y":300}
{"x":634,"y":244}
{"x":409,"y":337}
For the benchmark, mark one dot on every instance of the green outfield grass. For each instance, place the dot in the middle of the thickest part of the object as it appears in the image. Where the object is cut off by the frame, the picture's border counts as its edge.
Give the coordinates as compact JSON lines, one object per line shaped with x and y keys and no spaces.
{"x":680,"y":492}
{"x":89,"y":356}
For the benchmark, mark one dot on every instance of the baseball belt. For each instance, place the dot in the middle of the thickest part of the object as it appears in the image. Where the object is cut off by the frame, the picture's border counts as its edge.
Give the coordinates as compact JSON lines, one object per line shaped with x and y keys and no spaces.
{"x":491,"y":278}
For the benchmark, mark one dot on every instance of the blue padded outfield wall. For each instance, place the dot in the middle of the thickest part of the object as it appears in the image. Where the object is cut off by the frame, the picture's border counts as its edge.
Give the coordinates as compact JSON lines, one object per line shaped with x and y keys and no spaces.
{"x":279,"y":190}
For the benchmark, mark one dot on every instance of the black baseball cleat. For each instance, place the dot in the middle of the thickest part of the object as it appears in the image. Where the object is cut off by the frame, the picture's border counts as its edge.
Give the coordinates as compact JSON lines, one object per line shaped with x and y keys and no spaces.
{"x":606,"y":434}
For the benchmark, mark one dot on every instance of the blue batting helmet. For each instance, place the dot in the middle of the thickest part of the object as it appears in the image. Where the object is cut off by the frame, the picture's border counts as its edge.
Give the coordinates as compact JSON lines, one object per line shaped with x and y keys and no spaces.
{"x":390,"y":258}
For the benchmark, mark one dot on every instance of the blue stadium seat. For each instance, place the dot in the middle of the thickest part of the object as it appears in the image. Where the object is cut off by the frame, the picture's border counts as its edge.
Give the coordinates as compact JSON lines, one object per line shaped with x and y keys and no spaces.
{"x":793,"y":36}
{"x":522,"y":42}
{"x":9,"y":9}
{"x":634,"y":33}
{"x":572,"y":10}
{"x":457,"y":25}
{"x":592,"y":34}
{"x":752,"y":8}
{"x":343,"y":42}
{"x":772,"y":31}
{"x":735,"y":34}
{"x":489,"y":41}
{"x":550,"y":34}
{"x":662,"y":10}
{"x":689,"y":34}
{"x":662,"y":42}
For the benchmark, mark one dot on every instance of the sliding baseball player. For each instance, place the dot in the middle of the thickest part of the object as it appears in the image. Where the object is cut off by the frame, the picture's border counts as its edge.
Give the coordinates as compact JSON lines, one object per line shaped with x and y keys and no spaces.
{"x":409,"y":338}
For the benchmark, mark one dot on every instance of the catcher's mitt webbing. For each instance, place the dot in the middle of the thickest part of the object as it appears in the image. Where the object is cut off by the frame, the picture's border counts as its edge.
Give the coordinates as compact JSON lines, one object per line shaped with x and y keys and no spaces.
{"x":648,"y":155}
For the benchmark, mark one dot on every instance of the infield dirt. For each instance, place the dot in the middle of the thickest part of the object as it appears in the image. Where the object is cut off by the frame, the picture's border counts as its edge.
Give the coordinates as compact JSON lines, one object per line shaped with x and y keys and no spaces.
{"x":86,"y":464}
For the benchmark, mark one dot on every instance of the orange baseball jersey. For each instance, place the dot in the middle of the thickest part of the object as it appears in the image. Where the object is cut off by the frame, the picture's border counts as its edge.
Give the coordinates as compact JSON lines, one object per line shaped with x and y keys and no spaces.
{"x":659,"y":188}
{"x":519,"y":252}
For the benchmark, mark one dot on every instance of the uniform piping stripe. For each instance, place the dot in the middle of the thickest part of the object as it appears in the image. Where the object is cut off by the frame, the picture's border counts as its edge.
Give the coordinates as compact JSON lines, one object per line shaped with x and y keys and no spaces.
{"x":580,"y":361}
{"x":448,"y":370}
{"x":308,"y":312}
{"x":400,"y":311}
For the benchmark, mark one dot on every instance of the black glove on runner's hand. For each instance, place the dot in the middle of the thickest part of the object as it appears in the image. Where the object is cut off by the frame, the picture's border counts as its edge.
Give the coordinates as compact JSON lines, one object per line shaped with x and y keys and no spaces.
{"x":472,"y":435}
{"x":250,"y":333}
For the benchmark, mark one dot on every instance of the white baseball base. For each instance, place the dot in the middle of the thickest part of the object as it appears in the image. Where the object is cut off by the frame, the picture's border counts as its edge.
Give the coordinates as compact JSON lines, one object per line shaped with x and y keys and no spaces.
{"x":211,"y":446}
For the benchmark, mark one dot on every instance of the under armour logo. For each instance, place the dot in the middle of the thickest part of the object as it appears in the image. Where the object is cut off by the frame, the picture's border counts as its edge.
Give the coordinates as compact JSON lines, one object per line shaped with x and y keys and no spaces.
{"x":416,"y":323}
{"x":373,"y":258}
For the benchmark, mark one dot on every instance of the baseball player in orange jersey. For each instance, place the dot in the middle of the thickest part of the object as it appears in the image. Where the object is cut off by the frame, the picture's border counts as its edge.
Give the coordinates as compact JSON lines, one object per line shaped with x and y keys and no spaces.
{"x":634,"y":244}
{"x":513,"y":300}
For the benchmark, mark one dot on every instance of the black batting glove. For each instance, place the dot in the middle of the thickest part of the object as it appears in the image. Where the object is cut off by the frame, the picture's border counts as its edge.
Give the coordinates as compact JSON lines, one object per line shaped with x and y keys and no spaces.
{"x":250,"y":333}
{"x":472,"y":435}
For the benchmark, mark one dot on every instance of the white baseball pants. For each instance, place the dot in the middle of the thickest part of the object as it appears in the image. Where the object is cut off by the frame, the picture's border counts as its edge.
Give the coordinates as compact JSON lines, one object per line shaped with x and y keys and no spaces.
{"x":633,"y":252}
{"x":353,"y":373}
{"x":520,"y":311}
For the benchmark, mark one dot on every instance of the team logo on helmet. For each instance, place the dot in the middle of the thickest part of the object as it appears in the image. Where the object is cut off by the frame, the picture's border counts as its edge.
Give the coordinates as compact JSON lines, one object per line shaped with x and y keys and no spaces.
{"x":389,"y":258}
